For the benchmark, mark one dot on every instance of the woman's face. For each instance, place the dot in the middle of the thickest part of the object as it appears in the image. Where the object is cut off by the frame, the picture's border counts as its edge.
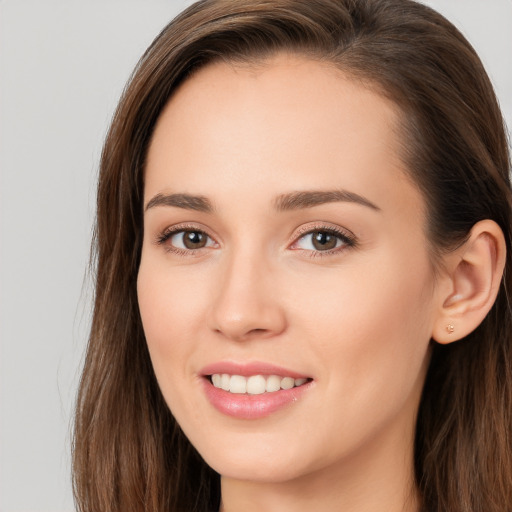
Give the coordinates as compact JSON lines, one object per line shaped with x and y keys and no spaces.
{"x":285,"y":246}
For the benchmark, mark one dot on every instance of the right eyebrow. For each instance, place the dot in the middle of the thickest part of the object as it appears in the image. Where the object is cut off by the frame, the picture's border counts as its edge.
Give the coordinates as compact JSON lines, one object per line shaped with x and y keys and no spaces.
{"x":311,"y":198}
{"x":185,"y":201}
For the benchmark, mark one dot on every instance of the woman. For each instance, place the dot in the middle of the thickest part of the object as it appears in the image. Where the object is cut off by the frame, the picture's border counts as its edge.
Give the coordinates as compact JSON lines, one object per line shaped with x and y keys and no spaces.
{"x":303,"y":252}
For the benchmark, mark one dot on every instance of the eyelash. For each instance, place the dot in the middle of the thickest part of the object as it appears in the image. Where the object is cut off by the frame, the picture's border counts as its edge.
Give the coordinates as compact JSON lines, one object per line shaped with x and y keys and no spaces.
{"x":168,"y":233}
{"x":348,"y":239}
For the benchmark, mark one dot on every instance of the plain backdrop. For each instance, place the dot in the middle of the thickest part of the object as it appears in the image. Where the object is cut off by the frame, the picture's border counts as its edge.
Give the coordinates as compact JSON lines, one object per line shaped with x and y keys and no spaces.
{"x":63,"y":65}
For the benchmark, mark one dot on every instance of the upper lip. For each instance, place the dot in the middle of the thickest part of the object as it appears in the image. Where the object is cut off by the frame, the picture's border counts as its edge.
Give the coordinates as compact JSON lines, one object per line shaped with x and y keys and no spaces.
{"x":246,"y":369}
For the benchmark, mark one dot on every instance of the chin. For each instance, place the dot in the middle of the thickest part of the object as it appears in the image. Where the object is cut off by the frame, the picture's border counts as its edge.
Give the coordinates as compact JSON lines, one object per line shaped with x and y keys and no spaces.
{"x":256,"y":461}
{"x":270,"y":471}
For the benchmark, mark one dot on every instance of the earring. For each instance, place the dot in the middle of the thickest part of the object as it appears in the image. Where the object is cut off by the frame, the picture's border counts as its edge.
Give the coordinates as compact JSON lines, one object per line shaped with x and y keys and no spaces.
{"x":450,"y":328}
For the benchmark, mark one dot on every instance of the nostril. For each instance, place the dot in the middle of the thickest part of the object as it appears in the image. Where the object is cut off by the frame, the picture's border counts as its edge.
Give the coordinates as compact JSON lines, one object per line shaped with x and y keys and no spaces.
{"x":257,"y":331}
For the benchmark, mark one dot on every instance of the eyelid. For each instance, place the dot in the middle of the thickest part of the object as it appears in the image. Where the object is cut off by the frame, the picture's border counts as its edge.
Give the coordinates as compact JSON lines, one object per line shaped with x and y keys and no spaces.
{"x":164,"y":235}
{"x":349,"y":239}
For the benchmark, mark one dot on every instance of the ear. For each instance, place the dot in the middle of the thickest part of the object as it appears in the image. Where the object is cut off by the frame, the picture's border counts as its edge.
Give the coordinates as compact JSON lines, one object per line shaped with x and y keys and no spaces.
{"x":469,"y":286}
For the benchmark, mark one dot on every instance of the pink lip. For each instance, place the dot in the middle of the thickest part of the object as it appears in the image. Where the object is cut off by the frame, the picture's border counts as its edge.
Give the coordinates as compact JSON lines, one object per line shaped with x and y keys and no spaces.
{"x":248,"y":369}
{"x":251,"y":407}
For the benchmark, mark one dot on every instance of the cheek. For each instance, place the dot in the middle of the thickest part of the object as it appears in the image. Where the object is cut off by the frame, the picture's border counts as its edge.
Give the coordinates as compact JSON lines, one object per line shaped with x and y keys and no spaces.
{"x":371,"y":329}
{"x":351,"y":303}
{"x":169,"y":299}
{"x":169,"y":309}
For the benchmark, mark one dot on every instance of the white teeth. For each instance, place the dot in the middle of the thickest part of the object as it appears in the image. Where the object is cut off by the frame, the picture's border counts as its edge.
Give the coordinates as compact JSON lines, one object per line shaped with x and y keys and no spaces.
{"x":255,"y":384}
{"x":273,"y":383}
{"x":237,"y":384}
{"x":287,"y":383}
{"x":224,"y":381}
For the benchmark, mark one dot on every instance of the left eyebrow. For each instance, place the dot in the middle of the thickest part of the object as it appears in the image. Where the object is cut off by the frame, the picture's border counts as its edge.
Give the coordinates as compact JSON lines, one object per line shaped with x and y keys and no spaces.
{"x":185,"y":201}
{"x":310,"y":198}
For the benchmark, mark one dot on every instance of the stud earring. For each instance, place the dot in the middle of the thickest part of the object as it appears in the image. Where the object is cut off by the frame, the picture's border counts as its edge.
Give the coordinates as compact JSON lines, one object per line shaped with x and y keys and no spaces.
{"x":450,"y":328}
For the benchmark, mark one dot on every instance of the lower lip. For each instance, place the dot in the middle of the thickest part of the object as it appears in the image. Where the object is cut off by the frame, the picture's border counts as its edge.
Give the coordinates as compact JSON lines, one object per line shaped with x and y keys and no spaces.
{"x":252,"y":407}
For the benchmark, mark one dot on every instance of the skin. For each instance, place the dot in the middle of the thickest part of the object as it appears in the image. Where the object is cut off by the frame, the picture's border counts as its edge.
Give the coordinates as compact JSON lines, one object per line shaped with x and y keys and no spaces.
{"x":358,"y":320}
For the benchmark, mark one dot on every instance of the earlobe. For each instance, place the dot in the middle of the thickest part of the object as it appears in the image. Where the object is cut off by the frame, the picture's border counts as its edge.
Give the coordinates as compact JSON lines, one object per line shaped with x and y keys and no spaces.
{"x":471,"y":282}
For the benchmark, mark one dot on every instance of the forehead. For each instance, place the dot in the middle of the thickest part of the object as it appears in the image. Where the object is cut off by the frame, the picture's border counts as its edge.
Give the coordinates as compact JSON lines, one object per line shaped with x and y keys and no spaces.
{"x":285,"y":122}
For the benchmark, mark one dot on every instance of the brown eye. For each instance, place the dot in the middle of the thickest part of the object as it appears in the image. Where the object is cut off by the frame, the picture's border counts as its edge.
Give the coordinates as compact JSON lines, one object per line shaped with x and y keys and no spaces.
{"x":189,"y":240}
{"x":194,"y":239}
{"x":323,"y":240}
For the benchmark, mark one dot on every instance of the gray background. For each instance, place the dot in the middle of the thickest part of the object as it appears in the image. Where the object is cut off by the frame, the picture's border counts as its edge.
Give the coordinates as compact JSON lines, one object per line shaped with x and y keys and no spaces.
{"x":63,"y":65}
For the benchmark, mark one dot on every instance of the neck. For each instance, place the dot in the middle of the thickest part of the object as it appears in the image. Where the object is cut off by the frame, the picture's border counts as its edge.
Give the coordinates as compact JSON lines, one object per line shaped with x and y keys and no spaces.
{"x":379,"y":478}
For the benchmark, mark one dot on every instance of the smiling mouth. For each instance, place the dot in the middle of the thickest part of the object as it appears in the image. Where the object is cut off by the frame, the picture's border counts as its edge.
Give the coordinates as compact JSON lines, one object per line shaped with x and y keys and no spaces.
{"x":255,"y":384}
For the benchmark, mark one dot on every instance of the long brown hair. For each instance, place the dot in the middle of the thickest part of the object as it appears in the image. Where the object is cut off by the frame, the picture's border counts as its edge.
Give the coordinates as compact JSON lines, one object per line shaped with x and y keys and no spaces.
{"x":129,"y":453}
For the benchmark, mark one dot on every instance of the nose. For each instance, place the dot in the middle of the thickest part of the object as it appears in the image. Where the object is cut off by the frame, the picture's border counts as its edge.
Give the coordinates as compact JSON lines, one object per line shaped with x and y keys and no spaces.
{"x":247,"y":303}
